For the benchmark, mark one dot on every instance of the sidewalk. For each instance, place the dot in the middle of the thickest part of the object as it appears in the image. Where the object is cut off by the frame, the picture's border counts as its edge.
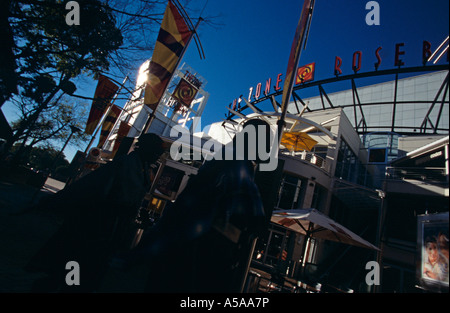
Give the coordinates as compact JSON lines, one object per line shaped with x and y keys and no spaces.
{"x":22,"y":232}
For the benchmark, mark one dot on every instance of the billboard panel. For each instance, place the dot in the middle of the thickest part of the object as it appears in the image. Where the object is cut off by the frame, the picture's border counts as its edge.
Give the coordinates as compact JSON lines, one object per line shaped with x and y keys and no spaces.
{"x":432,"y":253}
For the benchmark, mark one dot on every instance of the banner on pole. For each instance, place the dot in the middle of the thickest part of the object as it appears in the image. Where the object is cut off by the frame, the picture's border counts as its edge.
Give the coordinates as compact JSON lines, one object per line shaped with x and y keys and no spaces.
{"x":104,"y":92}
{"x":172,"y":39}
{"x":295,"y":54}
{"x":122,"y":132}
{"x":108,"y":124}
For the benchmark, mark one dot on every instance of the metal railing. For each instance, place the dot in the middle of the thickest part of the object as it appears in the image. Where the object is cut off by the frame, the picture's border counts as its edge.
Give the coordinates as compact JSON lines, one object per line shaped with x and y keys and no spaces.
{"x":310,"y":157}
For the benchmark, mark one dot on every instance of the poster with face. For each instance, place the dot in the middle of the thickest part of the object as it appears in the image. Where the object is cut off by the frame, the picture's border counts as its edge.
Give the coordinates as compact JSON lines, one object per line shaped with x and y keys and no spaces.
{"x":433,"y":255}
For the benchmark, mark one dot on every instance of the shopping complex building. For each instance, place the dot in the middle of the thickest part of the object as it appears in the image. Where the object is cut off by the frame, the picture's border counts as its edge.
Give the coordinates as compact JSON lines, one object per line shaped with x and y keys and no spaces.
{"x":378,"y":161}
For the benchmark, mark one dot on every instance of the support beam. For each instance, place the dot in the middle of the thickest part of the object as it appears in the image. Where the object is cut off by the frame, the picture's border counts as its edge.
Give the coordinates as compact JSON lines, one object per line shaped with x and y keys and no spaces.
{"x":305,"y":105}
{"x":423,"y":126}
{"x":322,"y":94}
{"x":357,"y":101}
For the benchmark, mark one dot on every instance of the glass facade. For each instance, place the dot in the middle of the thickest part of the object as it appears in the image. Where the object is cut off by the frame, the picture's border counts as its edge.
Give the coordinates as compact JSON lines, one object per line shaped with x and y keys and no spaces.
{"x":350,"y":168}
{"x":414,"y":100}
{"x":290,"y":192}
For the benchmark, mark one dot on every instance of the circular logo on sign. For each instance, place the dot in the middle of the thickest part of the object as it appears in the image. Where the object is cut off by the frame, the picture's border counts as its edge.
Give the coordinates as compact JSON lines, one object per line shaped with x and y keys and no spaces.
{"x":185,"y":93}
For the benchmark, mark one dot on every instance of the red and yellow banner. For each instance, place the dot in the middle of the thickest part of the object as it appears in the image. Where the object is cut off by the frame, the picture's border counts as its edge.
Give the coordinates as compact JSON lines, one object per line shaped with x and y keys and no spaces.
{"x":172,"y":38}
{"x":122,"y":132}
{"x":185,"y":93}
{"x":295,"y":54}
{"x":104,"y":92}
{"x":305,"y":73}
{"x":108,"y":124}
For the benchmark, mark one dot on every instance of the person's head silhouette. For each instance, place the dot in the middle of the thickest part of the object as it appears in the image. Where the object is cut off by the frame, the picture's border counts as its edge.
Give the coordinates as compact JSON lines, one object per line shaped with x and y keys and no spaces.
{"x":253,"y":142}
{"x":149,"y":147}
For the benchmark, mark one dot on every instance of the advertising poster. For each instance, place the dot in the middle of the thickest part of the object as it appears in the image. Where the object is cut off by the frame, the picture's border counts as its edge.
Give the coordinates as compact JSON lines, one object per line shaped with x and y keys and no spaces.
{"x":433,"y":255}
{"x":169,"y":182}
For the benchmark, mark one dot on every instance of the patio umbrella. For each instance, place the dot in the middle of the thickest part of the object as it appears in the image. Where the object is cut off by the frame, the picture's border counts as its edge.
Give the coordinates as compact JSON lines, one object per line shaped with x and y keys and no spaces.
{"x":312,"y":223}
{"x":297,"y":141}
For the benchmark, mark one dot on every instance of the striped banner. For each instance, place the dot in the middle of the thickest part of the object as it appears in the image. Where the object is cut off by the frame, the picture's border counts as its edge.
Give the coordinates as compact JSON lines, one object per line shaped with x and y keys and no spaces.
{"x":172,"y":39}
{"x":108,"y":124}
{"x":122,"y":132}
{"x":104,"y":92}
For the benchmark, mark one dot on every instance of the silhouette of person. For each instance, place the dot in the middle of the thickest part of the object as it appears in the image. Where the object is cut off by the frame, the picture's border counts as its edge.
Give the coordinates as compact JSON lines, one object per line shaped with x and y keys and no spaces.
{"x":203,"y":242}
{"x":99,"y":211}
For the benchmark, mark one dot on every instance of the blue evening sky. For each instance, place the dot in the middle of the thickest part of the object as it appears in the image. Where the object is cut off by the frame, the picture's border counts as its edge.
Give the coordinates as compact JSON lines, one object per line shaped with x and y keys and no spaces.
{"x":254,"y":39}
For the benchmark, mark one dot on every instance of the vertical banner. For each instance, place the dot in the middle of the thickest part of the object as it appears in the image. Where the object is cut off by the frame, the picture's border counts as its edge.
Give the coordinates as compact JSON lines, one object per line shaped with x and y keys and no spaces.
{"x":104,"y":92}
{"x":433,"y":252}
{"x":173,"y":36}
{"x":122,"y":132}
{"x":295,"y":55}
{"x":108,"y":124}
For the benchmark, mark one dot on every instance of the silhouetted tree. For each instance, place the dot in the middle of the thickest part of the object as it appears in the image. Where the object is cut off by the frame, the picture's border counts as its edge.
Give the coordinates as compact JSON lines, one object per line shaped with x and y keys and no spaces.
{"x":49,"y":53}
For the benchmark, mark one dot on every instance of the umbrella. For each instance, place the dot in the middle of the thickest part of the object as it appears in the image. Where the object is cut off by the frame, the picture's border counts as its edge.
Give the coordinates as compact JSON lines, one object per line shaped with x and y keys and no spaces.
{"x":297,"y":141}
{"x":311,"y":222}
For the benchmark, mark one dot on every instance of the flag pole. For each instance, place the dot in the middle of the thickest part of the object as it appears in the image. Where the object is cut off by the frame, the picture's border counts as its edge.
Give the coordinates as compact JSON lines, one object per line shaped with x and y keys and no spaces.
{"x":116,"y":123}
{"x":151,"y":116}
{"x":299,"y":41}
{"x":100,"y":124}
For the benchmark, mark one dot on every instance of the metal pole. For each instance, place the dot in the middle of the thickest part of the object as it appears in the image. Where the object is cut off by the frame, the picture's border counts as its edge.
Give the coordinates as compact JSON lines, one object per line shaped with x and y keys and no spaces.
{"x":247,"y":266}
{"x":73,"y":130}
{"x":379,"y":234}
{"x":305,"y":244}
{"x":116,"y":123}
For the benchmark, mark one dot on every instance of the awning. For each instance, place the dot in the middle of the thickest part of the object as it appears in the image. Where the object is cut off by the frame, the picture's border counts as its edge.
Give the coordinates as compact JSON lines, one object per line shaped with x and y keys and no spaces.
{"x":312,"y":223}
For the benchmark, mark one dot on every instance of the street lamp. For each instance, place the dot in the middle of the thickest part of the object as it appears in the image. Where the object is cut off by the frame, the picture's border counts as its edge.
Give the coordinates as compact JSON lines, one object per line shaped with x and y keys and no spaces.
{"x":73,"y":129}
{"x":379,"y":256}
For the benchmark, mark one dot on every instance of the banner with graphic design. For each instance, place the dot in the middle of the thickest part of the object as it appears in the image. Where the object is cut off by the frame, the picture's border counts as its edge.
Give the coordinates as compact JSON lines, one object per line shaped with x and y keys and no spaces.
{"x":305,"y":73}
{"x":122,"y":132}
{"x":104,"y":92}
{"x":173,"y":36}
{"x":185,"y":93}
{"x":108,"y":124}
{"x":295,"y":54}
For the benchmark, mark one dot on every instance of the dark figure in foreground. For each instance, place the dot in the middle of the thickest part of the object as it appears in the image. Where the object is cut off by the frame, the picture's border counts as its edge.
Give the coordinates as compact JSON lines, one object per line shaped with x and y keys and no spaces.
{"x":204,"y":241}
{"x":99,"y":211}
